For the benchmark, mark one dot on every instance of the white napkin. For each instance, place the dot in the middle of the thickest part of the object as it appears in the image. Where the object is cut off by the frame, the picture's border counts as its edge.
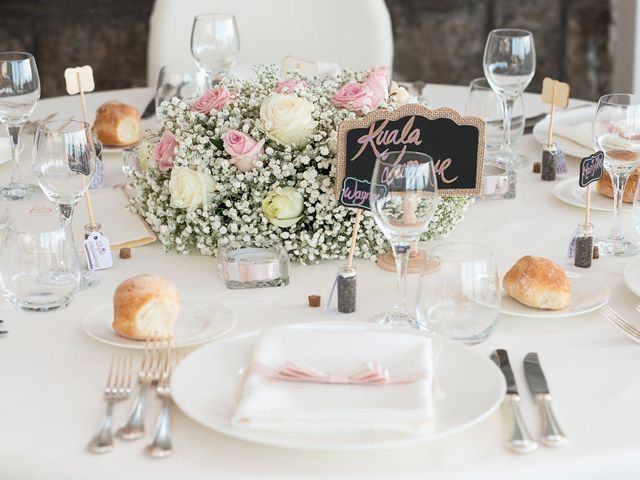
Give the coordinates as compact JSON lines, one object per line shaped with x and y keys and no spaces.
{"x":580,"y":134}
{"x":268,"y":403}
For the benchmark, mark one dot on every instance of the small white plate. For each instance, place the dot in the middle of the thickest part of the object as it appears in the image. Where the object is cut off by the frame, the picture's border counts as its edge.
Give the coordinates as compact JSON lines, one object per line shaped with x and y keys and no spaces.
{"x":572,"y":118}
{"x":206,"y":386}
{"x":570,"y":192}
{"x":587,"y":295}
{"x":632,"y":275}
{"x":198,"y":323}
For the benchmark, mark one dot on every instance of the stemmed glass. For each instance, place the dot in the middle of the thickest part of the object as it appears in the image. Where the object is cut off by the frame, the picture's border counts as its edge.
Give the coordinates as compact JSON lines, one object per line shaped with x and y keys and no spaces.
{"x":509,"y":65}
{"x":215,"y":43}
{"x":179,"y":80}
{"x":64,"y":162}
{"x":403,"y":199}
{"x":616,"y":131}
{"x":19,"y":94}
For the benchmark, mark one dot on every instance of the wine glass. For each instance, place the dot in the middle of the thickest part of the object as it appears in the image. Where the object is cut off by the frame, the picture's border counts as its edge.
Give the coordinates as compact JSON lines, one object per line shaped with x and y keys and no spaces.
{"x":403,"y":199}
{"x":459,"y":293}
{"x":215,"y":43}
{"x":19,"y":94}
{"x":179,"y":80}
{"x":64,"y":162}
{"x":509,"y":64}
{"x":616,"y":131}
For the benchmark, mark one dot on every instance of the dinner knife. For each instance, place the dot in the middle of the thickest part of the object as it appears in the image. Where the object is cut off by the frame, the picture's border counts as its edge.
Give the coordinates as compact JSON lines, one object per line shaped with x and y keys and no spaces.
{"x":150,"y":109}
{"x":552,"y":434}
{"x":518,"y":438}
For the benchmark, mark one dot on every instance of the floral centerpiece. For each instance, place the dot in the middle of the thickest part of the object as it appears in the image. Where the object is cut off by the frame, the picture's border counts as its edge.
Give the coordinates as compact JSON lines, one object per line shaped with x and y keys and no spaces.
{"x":255,"y":160}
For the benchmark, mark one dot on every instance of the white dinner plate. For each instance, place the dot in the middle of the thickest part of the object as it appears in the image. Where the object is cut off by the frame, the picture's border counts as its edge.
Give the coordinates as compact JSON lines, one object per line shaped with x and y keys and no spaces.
{"x":570,"y":192}
{"x":587,"y":295}
{"x":206,"y":386}
{"x":571,"y":118}
{"x":632,"y":275}
{"x":198,"y":322}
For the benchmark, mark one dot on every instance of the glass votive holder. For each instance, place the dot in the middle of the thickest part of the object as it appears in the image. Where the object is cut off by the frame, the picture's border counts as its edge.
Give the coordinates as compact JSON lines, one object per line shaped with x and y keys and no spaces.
{"x":498,"y":182}
{"x":253,"y":264}
{"x":130,"y":160}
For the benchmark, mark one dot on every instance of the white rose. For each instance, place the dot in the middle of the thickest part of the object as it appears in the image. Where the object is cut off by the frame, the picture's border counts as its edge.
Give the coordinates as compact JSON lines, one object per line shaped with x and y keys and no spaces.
{"x":287,"y":119}
{"x":283,"y":206}
{"x":401,"y":94}
{"x":189,"y":189}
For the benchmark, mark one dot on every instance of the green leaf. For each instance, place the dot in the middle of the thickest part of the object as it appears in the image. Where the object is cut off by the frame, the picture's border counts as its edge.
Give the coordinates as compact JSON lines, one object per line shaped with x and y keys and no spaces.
{"x":217,"y":142}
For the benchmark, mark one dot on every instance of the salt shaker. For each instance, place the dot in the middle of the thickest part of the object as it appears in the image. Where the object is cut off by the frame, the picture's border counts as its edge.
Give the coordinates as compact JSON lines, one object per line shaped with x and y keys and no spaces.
{"x":584,"y":245}
{"x":347,"y":280}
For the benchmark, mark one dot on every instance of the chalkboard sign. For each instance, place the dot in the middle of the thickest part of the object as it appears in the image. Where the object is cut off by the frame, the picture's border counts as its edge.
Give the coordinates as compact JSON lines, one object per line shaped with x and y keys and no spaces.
{"x":591,"y":169}
{"x":455,"y":142}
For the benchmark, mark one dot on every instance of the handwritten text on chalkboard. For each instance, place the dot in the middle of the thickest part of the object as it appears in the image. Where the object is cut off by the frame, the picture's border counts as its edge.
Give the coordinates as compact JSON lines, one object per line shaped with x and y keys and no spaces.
{"x":591,"y":169}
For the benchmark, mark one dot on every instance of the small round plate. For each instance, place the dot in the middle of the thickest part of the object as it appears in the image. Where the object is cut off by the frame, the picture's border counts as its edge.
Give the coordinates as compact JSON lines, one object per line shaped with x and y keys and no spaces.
{"x":197,"y":323}
{"x":632,"y":275}
{"x":570,"y":192}
{"x":587,"y":295}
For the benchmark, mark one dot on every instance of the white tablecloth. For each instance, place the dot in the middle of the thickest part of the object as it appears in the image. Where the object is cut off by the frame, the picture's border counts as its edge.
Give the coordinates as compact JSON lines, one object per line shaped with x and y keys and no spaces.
{"x":53,"y":374}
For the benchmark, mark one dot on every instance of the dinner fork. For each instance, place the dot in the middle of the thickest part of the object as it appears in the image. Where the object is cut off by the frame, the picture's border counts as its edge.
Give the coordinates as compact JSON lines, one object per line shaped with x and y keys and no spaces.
{"x":615,"y":318}
{"x":149,"y":374}
{"x":118,"y":388}
{"x":160,"y":445}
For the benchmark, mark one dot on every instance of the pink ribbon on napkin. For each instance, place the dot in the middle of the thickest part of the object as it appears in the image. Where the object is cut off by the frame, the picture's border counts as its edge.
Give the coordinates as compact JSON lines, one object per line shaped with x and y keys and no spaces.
{"x":369,"y":374}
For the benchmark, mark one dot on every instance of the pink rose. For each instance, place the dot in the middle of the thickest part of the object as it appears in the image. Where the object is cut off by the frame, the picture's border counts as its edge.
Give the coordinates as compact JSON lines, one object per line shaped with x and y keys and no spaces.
{"x":242,"y":149}
{"x":378,"y":82}
{"x":215,"y":98}
{"x":164,"y":151}
{"x":288,"y":86}
{"x":354,"y":97}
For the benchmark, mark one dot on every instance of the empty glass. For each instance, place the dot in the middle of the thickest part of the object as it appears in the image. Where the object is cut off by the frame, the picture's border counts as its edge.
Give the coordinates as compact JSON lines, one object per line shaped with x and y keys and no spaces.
{"x":616,"y":131}
{"x":38,"y":264}
{"x":179,"y":80}
{"x":19,"y":94}
{"x":459,"y":294}
{"x":215,"y":43}
{"x":64,"y":162}
{"x":403,"y":199}
{"x":509,"y":65}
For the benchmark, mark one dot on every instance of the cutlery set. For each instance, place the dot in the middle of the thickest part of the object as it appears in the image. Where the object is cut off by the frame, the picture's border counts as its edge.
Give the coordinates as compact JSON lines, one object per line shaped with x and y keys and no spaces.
{"x":155,"y":370}
{"x":518,"y":438}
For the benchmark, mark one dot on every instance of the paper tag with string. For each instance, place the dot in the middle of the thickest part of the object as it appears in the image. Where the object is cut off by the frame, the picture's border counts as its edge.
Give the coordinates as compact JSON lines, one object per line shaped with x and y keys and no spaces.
{"x":571,"y":251}
{"x":98,"y":251}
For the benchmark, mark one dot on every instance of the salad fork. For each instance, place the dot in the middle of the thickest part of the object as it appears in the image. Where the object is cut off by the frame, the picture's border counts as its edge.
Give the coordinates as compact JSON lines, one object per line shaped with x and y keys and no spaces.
{"x":615,"y":318}
{"x":149,"y":374}
{"x":118,"y":388}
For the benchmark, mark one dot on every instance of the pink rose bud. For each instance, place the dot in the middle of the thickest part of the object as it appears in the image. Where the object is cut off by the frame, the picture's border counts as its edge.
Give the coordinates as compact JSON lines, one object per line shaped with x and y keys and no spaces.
{"x":215,"y":98}
{"x":164,"y":151}
{"x":288,"y":86}
{"x":378,"y":82}
{"x":242,"y":149}
{"x":354,"y":97}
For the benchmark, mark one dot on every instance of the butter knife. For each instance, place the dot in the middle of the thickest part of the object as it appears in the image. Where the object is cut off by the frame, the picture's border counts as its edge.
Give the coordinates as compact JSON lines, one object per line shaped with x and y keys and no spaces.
{"x":552,"y":434}
{"x":518,"y":438}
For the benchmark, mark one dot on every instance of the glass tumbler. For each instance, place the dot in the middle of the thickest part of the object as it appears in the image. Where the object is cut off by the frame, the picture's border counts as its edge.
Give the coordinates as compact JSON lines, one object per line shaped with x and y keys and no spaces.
{"x":38,"y":264}
{"x":459,"y":294}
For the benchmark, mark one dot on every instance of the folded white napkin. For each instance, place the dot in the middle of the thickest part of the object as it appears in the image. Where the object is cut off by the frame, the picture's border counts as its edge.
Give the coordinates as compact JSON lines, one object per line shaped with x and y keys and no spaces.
{"x":275,"y":404}
{"x":580,"y":134}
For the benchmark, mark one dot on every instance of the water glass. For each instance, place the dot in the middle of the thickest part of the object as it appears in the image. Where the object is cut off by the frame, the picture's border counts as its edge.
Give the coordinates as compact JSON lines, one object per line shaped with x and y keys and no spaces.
{"x":215,"y":43}
{"x":38,"y":264}
{"x":484,"y":103}
{"x":179,"y":80}
{"x":459,"y":293}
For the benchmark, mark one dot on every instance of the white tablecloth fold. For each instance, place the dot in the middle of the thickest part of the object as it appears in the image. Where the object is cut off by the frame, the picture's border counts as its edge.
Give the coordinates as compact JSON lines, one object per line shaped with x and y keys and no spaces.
{"x":397,"y":406}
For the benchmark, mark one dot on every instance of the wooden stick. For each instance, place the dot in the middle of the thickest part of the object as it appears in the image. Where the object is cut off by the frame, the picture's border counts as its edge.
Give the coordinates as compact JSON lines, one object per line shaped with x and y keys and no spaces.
{"x":354,"y":235}
{"x":587,"y":206}
{"x":85,"y":116}
{"x":551,"y":114}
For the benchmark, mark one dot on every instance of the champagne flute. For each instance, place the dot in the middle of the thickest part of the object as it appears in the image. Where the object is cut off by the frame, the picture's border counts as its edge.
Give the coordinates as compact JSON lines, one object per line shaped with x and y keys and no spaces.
{"x":64,"y":162}
{"x":509,"y":64}
{"x":616,"y":131}
{"x":19,"y":95}
{"x":215,"y":44}
{"x":403,"y":199}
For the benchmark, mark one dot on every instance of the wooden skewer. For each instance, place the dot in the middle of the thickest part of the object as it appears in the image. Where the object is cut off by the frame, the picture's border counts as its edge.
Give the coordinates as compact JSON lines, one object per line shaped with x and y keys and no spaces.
{"x":587,"y":206}
{"x":85,"y":116}
{"x":354,"y":235}
{"x":551,"y":115}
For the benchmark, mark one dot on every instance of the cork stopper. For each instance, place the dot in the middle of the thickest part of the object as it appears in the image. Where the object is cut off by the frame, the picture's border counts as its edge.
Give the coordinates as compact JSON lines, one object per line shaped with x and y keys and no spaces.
{"x":314,"y":301}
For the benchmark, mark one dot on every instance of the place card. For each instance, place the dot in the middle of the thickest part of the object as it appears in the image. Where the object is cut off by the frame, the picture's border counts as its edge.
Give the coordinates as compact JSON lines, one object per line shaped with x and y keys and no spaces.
{"x":98,"y":252}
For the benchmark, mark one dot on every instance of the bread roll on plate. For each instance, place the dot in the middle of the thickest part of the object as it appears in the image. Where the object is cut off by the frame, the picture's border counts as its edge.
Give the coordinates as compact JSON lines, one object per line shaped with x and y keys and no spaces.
{"x":117,"y":124}
{"x":538,"y":283}
{"x":145,"y":306}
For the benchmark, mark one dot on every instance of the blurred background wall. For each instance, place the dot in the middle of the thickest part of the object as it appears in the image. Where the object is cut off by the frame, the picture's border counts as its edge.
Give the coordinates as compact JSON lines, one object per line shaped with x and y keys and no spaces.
{"x":436,"y":41}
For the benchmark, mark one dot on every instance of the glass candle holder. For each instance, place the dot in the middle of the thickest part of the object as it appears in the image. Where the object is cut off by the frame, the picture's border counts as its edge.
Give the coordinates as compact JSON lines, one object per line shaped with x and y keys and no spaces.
{"x":498,"y":182}
{"x":253,"y":264}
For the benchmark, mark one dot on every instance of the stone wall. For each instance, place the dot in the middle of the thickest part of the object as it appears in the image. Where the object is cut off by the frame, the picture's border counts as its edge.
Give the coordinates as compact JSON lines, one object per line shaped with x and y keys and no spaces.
{"x":437,"y":41}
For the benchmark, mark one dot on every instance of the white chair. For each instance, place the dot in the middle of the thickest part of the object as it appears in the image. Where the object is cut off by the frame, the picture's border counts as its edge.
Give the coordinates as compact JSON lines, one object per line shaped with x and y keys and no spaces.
{"x":356,"y":34}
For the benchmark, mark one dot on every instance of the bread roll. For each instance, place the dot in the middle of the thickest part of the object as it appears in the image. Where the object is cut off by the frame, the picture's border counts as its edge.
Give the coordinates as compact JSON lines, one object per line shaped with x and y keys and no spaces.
{"x":145,"y":306}
{"x":117,"y":124}
{"x":605,"y":187}
{"x":538,"y":283}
